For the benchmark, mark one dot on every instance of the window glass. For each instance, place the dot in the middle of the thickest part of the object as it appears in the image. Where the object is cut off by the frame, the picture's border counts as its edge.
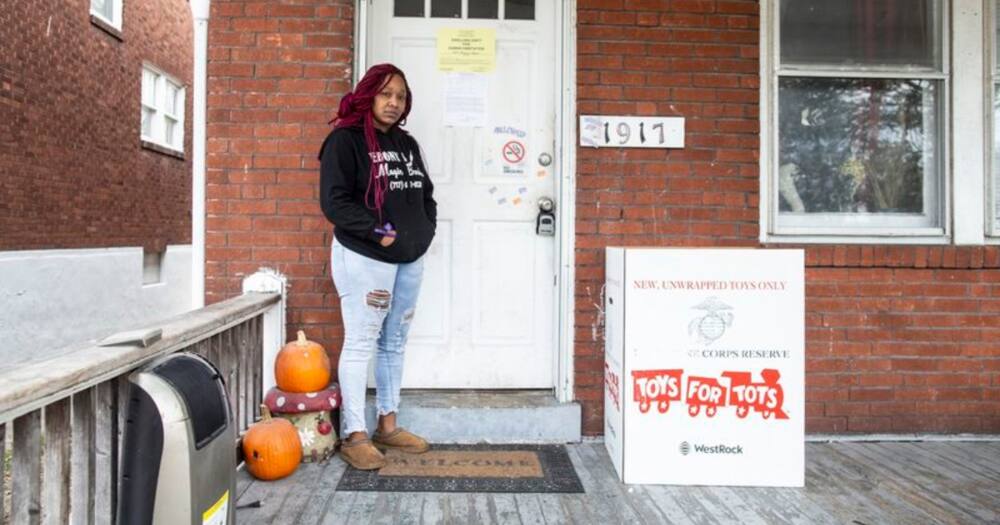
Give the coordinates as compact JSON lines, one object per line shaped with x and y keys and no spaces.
{"x":483,"y":8}
{"x":446,"y":8}
{"x":147,"y":122}
{"x":408,"y":8}
{"x":869,"y":32}
{"x":519,"y":9}
{"x":105,"y":8}
{"x":171,"y":103}
{"x":168,"y":131}
{"x":867,"y":146}
{"x":149,"y":83}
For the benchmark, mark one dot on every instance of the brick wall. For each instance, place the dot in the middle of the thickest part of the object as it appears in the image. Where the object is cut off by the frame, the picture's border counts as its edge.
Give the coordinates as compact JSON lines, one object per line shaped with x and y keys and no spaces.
{"x":898,"y":339}
{"x":72,"y":172}
{"x":276,"y":71}
{"x":695,"y":59}
{"x":903,"y":339}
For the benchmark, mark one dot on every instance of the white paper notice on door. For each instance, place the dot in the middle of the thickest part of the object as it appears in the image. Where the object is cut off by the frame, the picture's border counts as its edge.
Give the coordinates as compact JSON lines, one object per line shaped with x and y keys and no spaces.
{"x":465,"y":100}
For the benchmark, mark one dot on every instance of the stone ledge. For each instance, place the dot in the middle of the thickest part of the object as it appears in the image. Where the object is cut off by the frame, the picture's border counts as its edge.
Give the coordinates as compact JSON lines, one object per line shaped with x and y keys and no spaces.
{"x":468,"y":417}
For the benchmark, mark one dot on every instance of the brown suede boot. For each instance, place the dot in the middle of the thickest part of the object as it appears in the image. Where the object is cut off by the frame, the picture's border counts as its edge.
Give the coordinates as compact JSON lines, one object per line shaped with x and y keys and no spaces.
{"x":361,"y":455}
{"x":402,"y":440}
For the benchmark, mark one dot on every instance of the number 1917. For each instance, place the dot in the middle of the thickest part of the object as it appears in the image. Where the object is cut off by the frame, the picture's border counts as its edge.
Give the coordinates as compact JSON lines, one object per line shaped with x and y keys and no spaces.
{"x":623,"y":132}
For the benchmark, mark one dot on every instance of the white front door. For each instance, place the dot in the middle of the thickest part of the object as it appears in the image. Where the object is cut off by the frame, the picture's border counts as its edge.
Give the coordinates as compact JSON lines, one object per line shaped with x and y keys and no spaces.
{"x":486,"y":316}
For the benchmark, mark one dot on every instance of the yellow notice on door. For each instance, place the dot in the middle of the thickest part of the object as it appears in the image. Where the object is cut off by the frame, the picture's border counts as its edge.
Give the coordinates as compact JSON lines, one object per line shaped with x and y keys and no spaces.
{"x":467,"y":50}
{"x":218,"y":512}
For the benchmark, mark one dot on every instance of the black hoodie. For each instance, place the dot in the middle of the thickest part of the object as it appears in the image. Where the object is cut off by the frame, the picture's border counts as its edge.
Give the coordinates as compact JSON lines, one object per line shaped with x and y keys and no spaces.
{"x":409,"y":204}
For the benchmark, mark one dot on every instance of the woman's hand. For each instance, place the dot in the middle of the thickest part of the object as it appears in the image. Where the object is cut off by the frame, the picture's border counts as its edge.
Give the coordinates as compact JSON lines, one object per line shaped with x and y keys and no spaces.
{"x":388,"y":232}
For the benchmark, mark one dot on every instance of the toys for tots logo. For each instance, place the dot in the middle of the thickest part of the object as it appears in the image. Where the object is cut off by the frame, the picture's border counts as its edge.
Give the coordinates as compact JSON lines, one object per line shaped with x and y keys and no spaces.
{"x":708,"y":394}
{"x":611,"y":382}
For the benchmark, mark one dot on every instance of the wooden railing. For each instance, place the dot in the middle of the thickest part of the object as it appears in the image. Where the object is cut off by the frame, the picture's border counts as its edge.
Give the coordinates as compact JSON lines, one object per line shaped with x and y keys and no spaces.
{"x":66,"y":414}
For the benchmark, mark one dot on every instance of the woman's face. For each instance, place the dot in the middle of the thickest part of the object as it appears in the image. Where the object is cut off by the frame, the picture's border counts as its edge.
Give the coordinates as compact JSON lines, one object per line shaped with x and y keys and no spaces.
{"x":389,"y":103}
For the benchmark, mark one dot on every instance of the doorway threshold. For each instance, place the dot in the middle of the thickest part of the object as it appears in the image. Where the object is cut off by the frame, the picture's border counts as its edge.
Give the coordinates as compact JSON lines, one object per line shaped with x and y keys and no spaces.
{"x":486,"y":416}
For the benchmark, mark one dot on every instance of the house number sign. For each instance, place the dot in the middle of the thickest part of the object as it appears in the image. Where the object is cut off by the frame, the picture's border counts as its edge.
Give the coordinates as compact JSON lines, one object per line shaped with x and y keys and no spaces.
{"x":601,"y":131}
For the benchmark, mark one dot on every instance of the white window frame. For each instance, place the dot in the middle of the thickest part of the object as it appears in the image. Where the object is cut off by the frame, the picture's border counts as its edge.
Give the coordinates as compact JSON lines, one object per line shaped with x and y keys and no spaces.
{"x":116,"y":10}
{"x":160,"y":115}
{"x":962,"y":198}
{"x":990,"y":53}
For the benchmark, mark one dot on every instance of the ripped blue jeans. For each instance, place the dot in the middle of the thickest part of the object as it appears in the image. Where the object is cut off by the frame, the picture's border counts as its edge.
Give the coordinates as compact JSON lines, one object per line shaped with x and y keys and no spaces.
{"x":377,"y":301}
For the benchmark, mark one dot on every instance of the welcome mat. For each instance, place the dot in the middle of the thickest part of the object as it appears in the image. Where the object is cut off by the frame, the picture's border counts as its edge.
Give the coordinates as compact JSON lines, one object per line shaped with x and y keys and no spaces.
{"x":470,"y":468}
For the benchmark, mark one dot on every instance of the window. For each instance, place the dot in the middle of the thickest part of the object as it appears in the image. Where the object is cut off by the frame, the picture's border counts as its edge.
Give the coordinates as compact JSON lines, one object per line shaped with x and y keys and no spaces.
{"x":152,"y":267}
{"x":162,"y":110}
{"x":483,"y":9}
{"x":470,"y":9}
{"x":109,"y":11}
{"x":520,"y":10}
{"x":857,"y":143}
{"x":409,"y":8}
{"x":446,"y":8}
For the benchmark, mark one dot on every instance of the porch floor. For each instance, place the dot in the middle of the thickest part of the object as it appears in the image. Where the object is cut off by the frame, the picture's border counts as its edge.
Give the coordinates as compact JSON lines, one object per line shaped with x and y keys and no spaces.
{"x":852,"y":483}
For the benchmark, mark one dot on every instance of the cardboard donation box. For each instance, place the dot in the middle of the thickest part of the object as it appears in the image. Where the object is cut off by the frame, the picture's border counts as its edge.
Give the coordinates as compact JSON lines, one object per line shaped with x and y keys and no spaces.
{"x":704,"y":366}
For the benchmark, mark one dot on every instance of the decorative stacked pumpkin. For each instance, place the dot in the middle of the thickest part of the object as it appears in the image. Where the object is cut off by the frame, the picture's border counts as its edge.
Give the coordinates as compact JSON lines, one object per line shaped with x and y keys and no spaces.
{"x":304,"y":396}
{"x":302,"y":429}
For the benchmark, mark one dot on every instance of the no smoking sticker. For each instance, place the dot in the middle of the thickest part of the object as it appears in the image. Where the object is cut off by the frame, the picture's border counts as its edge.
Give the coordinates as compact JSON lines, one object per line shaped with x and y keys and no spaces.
{"x":513,"y":152}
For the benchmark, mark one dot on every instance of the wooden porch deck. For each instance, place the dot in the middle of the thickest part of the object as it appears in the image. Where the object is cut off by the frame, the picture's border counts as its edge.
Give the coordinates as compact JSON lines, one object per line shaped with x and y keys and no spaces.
{"x":851,"y":483}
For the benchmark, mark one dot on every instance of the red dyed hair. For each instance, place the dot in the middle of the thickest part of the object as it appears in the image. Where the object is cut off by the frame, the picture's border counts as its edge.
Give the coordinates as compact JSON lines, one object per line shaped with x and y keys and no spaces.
{"x":356,"y":111}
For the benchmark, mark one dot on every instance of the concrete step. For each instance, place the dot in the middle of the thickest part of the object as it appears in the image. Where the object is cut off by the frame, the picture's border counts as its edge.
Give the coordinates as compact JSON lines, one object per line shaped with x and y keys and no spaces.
{"x":513,"y":416}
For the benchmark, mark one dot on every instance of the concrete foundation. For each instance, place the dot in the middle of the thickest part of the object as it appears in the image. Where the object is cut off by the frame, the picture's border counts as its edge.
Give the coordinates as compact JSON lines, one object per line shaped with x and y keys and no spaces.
{"x":532,"y":416}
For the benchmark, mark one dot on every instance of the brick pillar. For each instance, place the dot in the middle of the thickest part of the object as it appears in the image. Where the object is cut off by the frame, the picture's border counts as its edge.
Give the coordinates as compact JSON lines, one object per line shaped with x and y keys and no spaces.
{"x":276,"y":72}
{"x":694,"y":59}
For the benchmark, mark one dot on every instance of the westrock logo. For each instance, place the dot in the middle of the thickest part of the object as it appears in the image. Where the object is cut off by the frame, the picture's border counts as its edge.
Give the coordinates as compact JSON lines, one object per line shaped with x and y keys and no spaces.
{"x":714,"y":318}
{"x":687,"y":448}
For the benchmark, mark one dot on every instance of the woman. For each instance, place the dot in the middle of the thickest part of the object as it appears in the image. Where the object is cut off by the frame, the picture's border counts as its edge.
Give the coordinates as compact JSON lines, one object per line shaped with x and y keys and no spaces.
{"x":374,"y":188}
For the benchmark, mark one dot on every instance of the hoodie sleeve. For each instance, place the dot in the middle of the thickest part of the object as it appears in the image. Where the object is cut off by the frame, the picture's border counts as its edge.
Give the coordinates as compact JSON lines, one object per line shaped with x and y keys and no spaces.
{"x":338,"y":181}
{"x":430,"y":205}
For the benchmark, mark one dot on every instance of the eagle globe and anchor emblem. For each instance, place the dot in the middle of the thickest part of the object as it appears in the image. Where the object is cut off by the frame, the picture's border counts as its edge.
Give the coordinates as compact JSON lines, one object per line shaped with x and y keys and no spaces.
{"x":718,"y":316}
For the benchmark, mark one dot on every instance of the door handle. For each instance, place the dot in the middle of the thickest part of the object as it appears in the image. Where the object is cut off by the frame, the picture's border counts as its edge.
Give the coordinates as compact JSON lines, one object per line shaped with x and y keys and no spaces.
{"x":545,"y":223}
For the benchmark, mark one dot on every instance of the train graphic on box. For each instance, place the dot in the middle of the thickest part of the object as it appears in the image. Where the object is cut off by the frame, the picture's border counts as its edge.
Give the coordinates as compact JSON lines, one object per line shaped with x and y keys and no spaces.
{"x":707,"y":395}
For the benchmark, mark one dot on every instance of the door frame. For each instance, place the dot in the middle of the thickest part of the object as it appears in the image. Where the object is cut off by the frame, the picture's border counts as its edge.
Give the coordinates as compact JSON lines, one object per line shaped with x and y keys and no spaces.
{"x":565,"y":133}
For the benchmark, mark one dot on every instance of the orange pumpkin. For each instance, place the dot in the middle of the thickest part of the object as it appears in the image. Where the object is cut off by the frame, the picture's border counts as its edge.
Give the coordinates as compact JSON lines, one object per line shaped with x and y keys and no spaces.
{"x":302,"y":366}
{"x":271,"y":447}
